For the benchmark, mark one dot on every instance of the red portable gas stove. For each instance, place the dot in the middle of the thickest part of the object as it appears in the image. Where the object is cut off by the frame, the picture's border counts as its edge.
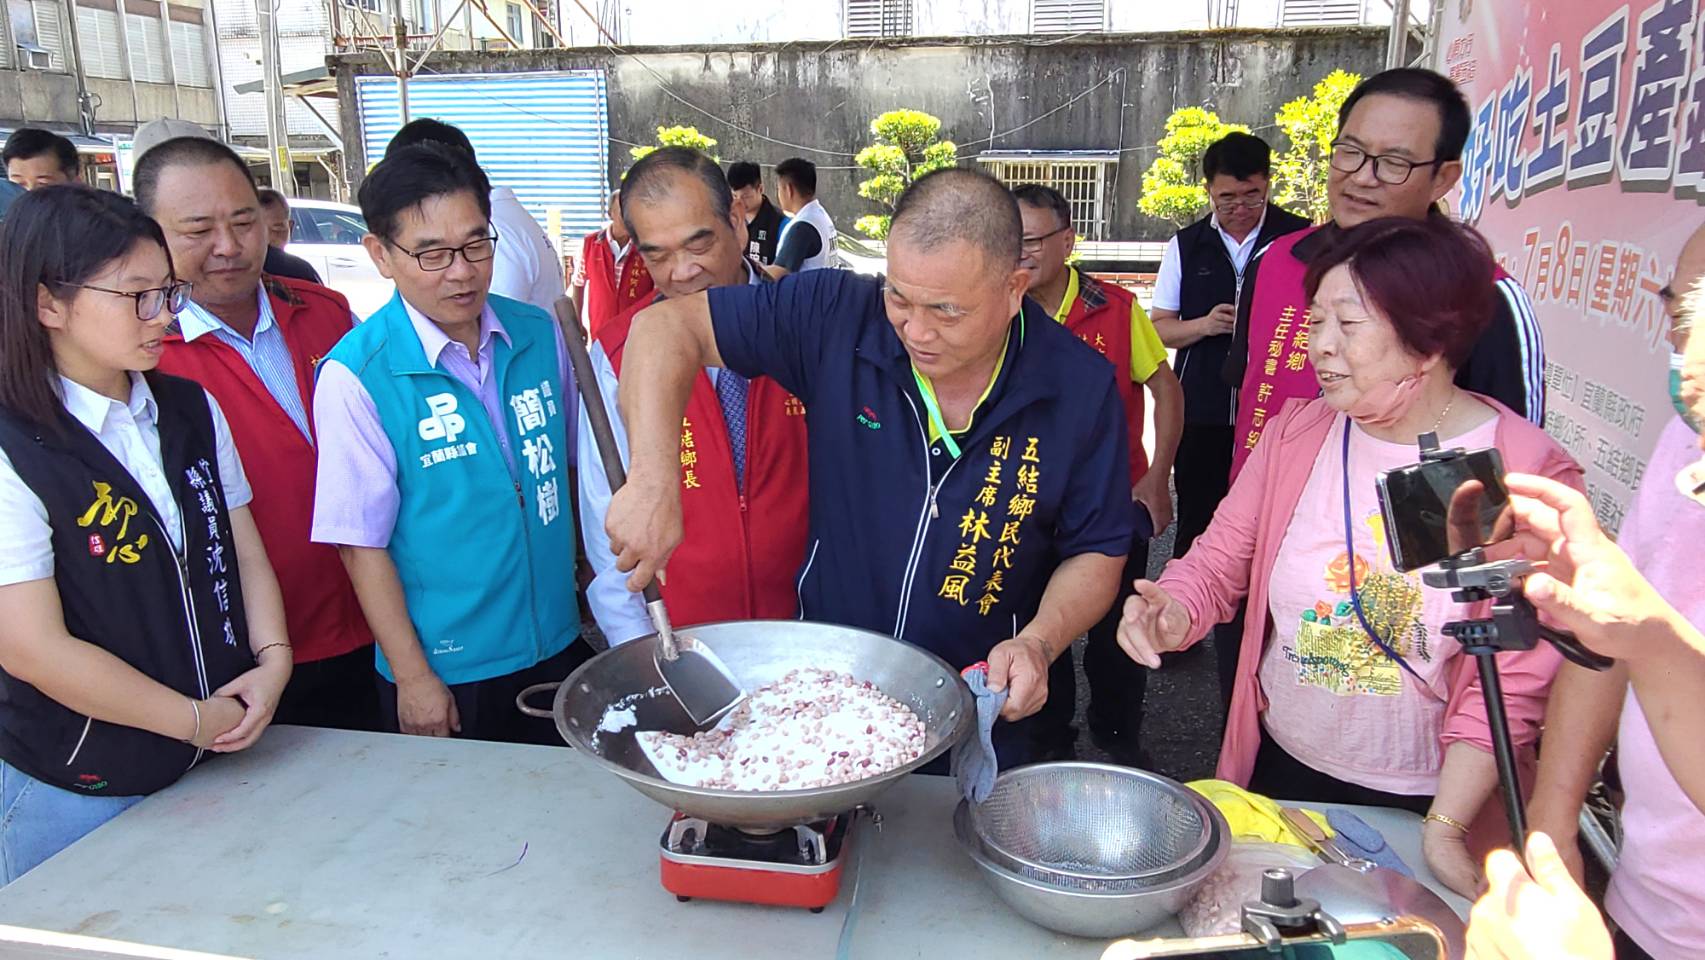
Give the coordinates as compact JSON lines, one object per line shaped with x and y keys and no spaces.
{"x":798,"y":866}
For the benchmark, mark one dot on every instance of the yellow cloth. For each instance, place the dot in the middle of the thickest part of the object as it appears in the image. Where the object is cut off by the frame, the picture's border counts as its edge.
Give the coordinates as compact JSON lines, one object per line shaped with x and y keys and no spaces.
{"x":1252,"y":816}
{"x":1147,"y":352}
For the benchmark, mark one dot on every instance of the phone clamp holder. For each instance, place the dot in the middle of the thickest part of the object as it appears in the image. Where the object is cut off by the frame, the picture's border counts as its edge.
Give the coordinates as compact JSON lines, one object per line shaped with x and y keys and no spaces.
{"x":1513,"y":626}
{"x":1281,"y":912}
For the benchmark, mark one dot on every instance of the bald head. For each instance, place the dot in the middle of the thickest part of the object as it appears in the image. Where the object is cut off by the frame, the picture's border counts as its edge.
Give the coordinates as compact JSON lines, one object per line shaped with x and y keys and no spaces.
{"x":960,"y":205}
{"x":1689,"y":270}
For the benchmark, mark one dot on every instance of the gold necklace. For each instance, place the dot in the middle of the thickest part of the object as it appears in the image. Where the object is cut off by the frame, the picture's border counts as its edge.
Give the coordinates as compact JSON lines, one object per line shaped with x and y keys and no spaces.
{"x":1445,"y":412}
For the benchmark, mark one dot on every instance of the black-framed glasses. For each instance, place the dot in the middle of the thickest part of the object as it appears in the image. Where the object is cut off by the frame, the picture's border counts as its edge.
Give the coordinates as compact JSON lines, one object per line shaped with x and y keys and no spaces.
{"x":1235,"y":203}
{"x":1387,"y":168}
{"x":1030,"y":244}
{"x":149,"y":302}
{"x":435,"y":259}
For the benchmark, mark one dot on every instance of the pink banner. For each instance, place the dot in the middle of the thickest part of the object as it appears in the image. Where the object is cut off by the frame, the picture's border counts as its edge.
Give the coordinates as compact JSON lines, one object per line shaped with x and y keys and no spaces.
{"x":1586,"y":169}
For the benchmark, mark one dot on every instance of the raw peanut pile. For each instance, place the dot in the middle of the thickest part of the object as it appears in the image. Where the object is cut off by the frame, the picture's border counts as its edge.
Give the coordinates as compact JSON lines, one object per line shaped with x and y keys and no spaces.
{"x":813,"y":728}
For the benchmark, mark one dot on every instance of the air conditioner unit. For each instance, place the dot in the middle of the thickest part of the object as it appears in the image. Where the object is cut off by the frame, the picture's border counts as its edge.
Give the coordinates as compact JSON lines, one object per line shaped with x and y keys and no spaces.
{"x":34,"y":58}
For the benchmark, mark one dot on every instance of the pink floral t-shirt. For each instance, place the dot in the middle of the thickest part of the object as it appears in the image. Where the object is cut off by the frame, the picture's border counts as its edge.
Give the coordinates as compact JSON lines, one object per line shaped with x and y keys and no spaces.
{"x":1334,"y":700}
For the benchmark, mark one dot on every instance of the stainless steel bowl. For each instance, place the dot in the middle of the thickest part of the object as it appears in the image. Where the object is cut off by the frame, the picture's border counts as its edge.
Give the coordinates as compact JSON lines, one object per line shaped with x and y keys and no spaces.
{"x":1088,"y":912}
{"x":1093,"y":825}
{"x":758,"y":652}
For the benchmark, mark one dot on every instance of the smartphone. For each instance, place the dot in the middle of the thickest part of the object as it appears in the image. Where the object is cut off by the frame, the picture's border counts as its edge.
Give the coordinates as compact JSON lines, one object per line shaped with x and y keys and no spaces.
{"x":1437,"y":509}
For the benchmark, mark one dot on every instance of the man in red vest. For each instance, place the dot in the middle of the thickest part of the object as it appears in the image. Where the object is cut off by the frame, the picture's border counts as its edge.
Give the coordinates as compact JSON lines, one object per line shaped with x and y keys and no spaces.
{"x":743,"y":453}
{"x":1109,"y":319}
{"x":253,"y":342}
{"x":608,"y":277}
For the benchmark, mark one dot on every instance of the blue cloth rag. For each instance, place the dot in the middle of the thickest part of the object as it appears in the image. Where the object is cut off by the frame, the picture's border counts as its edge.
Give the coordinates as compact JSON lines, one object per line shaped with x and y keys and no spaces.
{"x":974,"y":763}
{"x":1360,"y":840}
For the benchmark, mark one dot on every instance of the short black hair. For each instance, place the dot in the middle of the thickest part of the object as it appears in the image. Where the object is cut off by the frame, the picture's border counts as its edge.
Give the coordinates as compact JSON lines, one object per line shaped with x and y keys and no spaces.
{"x":410,"y":176}
{"x":800,"y":173}
{"x":744,"y":174}
{"x":960,"y":204}
{"x":181,"y":152}
{"x":272,"y":198}
{"x":1415,"y":83}
{"x":427,"y":130}
{"x":27,"y":143}
{"x":1044,"y":197}
{"x":647,"y":181}
{"x":1238,"y":155}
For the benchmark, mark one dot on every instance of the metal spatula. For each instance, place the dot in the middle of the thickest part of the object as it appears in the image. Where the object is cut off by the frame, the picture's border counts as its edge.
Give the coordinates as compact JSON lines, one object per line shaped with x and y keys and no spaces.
{"x":696,"y":677}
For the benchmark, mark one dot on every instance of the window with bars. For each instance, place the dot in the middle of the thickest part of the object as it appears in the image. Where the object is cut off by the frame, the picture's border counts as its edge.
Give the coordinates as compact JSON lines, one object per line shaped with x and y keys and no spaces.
{"x":1068,"y":16}
{"x":189,"y":54}
{"x":1305,"y":13}
{"x":878,"y":18}
{"x":147,"y":47}
{"x":102,"y":53}
{"x":1081,"y":180}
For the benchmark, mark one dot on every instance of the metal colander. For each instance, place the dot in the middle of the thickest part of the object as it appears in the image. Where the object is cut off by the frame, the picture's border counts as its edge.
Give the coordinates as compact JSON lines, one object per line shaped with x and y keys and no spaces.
{"x":1094,"y":826}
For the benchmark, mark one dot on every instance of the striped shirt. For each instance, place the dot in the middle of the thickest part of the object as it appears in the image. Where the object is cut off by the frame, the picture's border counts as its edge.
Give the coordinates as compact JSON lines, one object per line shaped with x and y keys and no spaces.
{"x":1532,"y":345}
{"x":267,"y":354}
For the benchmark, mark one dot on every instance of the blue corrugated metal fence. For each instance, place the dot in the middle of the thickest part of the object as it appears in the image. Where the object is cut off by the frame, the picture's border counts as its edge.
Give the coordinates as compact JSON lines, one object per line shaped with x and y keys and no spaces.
{"x":544,"y":135}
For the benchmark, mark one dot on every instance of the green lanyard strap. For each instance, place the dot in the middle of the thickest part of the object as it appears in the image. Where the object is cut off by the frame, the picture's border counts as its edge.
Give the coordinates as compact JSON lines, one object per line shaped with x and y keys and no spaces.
{"x":934,"y":409}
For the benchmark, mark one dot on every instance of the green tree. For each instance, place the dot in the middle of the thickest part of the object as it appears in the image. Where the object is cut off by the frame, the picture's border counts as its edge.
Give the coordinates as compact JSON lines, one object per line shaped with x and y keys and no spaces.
{"x":908,"y":145}
{"x":1299,"y":173}
{"x":1172,"y":185}
{"x":678,"y":136}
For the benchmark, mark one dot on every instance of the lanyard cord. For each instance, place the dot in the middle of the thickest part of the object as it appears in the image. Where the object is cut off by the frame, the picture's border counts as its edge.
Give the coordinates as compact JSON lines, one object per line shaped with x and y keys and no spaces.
{"x":1350,"y":548}
{"x":927,"y":392}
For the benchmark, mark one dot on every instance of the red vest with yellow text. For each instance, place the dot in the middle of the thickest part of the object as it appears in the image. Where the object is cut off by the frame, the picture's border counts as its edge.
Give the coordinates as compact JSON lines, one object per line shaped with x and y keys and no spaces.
{"x":320,"y":610}
{"x":608,"y":295}
{"x":1101,"y":317}
{"x":741,"y":553}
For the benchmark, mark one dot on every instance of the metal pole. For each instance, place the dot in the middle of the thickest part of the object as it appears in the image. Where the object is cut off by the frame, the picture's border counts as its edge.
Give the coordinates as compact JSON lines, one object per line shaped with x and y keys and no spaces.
{"x":277,"y":125}
{"x":85,"y":102}
{"x":400,"y":29}
{"x":171,"y":62}
{"x":1503,"y":750}
{"x":1396,"y":44}
{"x":210,"y":26}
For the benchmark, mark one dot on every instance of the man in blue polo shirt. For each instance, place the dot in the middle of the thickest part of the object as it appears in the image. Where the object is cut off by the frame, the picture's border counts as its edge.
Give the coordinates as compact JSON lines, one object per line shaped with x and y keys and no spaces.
{"x":970,"y":482}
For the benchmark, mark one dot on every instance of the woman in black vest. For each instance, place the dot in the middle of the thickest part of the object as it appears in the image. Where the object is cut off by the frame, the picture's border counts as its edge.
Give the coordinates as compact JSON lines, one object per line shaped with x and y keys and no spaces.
{"x":135,"y":597}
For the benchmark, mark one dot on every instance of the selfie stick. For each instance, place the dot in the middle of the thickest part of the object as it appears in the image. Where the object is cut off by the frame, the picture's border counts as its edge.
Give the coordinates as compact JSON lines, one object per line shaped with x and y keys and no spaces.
{"x":1513,"y":626}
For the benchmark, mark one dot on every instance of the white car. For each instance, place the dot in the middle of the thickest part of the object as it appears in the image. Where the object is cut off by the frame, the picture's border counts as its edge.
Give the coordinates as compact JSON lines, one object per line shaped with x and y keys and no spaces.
{"x":328,"y":235}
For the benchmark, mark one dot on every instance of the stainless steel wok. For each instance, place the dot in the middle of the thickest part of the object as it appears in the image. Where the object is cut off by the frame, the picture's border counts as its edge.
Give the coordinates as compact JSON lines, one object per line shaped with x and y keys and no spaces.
{"x":758,"y":652}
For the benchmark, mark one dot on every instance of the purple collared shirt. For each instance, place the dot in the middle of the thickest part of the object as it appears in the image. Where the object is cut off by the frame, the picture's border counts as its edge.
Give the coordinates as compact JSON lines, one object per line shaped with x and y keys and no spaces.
{"x":356,"y":498}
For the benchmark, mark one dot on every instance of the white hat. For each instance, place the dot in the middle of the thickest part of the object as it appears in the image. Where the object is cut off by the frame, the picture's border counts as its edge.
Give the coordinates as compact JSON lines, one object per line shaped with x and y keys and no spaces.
{"x":155,"y":132}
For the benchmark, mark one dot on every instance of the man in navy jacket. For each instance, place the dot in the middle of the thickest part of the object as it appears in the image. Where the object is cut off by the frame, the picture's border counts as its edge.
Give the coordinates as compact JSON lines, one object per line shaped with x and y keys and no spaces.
{"x":970,"y":488}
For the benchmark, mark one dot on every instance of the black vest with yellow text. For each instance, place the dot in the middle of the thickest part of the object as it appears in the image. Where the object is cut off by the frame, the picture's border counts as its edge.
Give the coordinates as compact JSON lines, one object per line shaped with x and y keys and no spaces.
{"x":176,"y":618}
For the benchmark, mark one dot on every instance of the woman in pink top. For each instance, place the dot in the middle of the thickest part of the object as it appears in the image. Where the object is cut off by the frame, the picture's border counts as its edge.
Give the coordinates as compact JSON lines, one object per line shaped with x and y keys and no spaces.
{"x":1655,"y":895}
{"x":1321,"y":710}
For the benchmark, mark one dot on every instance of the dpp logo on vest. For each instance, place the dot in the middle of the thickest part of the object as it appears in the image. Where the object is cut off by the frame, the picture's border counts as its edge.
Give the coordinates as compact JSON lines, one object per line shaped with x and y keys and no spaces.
{"x":443,"y":422}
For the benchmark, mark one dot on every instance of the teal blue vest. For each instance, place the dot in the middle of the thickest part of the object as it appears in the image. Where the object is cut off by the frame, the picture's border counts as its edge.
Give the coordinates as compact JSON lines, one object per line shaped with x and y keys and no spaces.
{"x":486,"y":560}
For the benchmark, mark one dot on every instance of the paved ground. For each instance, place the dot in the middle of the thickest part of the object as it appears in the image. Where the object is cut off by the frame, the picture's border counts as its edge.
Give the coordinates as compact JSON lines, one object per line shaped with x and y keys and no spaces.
{"x":1183,"y":719}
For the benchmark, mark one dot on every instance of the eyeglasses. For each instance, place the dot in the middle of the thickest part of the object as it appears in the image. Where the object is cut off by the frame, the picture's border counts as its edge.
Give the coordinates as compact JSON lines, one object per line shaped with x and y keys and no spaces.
{"x":149,"y":302}
{"x":1032,"y":244}
{"x":439,"y":258}
{"x":1234,"y":203}
{"x":1387,"y":168}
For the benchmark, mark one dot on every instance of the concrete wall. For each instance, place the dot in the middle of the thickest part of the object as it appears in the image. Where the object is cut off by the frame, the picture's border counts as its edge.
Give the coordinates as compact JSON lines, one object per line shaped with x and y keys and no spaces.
{"x":153,"y":100}
{"x":824,"y":95}
{"x":38,"y":97}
